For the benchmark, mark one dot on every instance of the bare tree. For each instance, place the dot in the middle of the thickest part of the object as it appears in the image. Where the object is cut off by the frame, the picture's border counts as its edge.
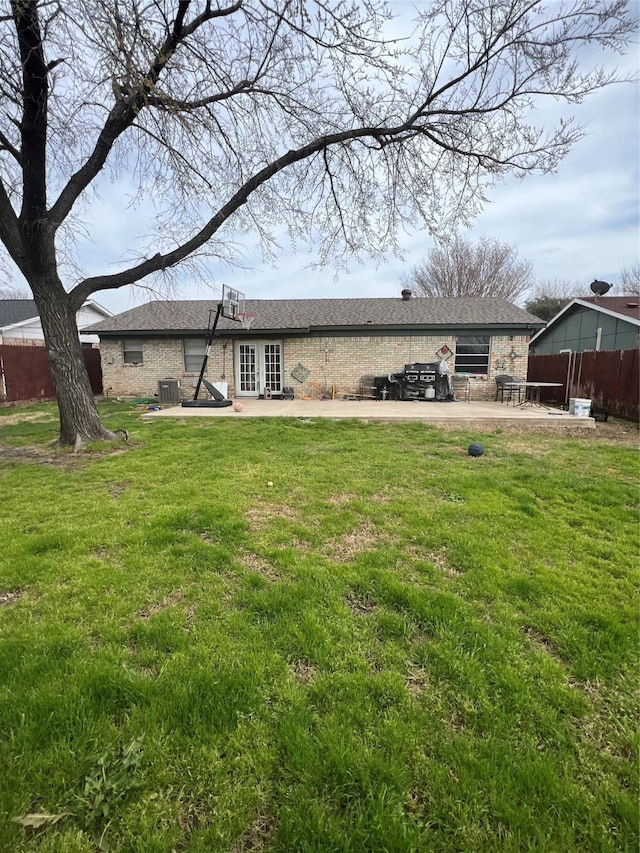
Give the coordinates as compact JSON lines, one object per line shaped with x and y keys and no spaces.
{"x":247,"y":114}
{"x":457,"y":267}
{"x":550,"y":296}
{"x":630,"y":280}
{"x":14,"y":293}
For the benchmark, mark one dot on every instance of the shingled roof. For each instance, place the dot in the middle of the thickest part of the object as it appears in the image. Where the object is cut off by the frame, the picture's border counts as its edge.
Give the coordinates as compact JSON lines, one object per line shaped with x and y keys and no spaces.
{"x":306,"y":315}
{"x":626,"y":306}
{"x":16,"y":311}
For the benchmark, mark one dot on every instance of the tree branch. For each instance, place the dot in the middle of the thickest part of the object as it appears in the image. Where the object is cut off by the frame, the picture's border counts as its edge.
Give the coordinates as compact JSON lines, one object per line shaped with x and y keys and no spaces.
{"x":162,"y":261}
{"x":9,"y":229}
{"x":165,"y":102}
{"x":33,"y":127}
{"x":5,"y":145}
{"x":124,"y":112}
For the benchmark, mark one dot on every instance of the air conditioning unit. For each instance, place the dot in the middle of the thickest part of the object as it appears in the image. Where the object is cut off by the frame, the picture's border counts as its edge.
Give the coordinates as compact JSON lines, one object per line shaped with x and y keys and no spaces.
{"x":169,"y":391}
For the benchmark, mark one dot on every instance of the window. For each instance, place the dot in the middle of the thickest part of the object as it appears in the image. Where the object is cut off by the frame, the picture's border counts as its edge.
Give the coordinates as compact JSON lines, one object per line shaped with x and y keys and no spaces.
{"x":132,"y":351}
{"x":472,"y":355}
{"x":193,"y":354}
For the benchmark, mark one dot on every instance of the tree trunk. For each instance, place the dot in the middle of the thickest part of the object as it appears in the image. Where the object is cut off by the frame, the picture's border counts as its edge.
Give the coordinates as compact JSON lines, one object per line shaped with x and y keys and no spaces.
{"x":79,"y":419}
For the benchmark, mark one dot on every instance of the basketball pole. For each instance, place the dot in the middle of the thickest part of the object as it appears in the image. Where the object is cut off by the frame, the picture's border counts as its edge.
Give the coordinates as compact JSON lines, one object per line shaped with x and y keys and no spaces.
{"x":210,"y":335}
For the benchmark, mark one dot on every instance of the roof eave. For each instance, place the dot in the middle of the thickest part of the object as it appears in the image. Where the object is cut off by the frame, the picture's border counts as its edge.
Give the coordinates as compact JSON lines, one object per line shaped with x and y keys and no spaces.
{"x":373,"y":328}
{"x":19,"y":324}
{"x":594,"y":306}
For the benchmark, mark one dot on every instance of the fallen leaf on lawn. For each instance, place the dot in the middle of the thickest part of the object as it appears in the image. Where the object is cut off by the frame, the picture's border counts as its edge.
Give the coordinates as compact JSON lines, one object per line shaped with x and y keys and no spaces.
{"x":37,"y":820}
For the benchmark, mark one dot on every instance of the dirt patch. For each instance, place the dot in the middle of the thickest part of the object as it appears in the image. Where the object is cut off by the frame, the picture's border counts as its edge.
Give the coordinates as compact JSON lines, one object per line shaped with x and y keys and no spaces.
{"x":616,"y":431}
{"x":339,"y":499}
{"x":116,"y":489}
{"x":257,"y":564}
{"x":52,"y":456}
{"x":440,"y":560}
{"x":259,"y":516}
{"x":543,"y":642}
{"x":380,"y":499}
{"x":109,"y":554}
{"x":619,"y":432}
{"x":457,"y":721}
{"x":256,"y":837}
{"x":526,"y":447}
{"x":416,"y":682}
{"x":7,"y":598}
{"x":345,"y":548}
{"x":361,"y":605}
{"x":39,"y":456}
{"x":587,"y":687}
{"x":23,"y":417}
{"x":169,"y":601}
{"x":302,"y":671}
{"x":624,"y":433}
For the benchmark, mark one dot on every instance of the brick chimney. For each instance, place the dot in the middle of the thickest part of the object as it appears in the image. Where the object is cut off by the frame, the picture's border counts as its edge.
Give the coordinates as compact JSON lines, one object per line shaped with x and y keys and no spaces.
{"x":406,"y":294}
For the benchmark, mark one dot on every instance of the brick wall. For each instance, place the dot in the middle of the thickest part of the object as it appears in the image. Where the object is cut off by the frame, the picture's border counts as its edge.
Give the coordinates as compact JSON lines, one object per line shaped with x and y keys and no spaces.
{"x":20,"y":342}
{"x":509,"y":354}
{"x":342,"y":361}
{"x":163,"y":358}
{"x":331,"y":361}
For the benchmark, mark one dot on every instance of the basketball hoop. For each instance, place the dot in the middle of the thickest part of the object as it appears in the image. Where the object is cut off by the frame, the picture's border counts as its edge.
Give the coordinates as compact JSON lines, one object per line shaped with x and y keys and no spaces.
{"x":245,"y":318}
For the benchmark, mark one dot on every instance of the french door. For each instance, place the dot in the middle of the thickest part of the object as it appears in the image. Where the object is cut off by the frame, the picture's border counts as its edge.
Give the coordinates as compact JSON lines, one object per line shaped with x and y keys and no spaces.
{"x":258,"y":368}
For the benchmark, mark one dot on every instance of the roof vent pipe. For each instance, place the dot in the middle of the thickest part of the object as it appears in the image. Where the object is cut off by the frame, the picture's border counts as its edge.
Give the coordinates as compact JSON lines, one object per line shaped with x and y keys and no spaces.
{"x":406,"y":294}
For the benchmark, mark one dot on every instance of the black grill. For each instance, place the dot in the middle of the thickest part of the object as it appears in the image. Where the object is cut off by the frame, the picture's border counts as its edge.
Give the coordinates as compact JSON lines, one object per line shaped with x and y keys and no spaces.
{"x":418,"y":381}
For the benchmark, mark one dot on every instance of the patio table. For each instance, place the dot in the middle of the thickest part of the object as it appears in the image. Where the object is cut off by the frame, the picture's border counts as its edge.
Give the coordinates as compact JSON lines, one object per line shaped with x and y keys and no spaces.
{"x":532,"y":391}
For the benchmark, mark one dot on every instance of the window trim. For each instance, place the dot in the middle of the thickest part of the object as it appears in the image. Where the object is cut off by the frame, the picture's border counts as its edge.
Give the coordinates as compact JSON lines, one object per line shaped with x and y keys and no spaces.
{"x":129,"y":348}
{"x":200,"y":355}
{"x":480,"y":365}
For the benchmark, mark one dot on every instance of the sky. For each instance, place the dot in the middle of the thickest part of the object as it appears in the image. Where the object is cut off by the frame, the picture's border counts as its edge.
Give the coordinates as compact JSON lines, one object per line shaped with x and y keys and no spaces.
{"x":579,"y":224}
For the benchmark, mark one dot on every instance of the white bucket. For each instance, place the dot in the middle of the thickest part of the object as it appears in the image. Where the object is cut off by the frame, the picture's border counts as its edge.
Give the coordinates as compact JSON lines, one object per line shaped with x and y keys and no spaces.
{"x":579,"y":407}
{"x":430,"y":393}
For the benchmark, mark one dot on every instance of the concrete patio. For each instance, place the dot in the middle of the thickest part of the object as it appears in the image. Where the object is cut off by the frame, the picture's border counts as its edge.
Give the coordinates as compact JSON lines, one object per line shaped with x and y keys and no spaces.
{"x":480,"y":412}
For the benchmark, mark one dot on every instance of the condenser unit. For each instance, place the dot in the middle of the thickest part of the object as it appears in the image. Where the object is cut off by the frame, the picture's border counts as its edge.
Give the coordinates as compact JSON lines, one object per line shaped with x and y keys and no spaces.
{"x":169,"y":391}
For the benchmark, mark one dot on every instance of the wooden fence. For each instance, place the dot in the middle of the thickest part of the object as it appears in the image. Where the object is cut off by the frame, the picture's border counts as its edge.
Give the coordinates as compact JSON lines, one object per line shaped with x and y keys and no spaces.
{"x":609,"y":379}
{"x":24,"y":373}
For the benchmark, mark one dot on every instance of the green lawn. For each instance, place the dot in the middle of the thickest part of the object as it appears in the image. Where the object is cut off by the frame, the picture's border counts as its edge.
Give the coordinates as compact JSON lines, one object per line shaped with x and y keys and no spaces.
{"x":294,"y":635}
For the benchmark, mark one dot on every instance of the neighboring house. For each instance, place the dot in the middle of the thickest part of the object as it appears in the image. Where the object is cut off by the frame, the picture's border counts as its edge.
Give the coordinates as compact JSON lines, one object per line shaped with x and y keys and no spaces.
{"x":20,"y":323}
{"x":315,"y":346}
{"x":591,"y":347}
{"x":597,"y":324}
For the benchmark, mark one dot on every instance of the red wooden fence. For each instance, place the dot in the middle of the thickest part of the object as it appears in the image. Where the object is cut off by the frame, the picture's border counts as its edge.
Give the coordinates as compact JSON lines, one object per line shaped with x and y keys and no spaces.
{"x":609,"y":379}
{"x":94,"y":369}
{"x":24,"y":373}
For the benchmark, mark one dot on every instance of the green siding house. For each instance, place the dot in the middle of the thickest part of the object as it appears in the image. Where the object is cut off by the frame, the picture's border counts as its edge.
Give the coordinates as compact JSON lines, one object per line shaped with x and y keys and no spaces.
{"x":591,"y":324}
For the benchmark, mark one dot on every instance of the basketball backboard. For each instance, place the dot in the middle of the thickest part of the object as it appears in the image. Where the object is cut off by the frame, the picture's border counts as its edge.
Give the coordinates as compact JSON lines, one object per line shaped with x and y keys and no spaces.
{"x":232,"y":302}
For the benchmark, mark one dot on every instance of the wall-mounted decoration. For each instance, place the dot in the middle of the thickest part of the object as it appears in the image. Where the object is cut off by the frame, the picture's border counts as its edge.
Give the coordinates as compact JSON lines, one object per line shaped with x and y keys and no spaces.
{"x":444,"y":352}
{"x":300,"y":372}
{"x":501,"y":364}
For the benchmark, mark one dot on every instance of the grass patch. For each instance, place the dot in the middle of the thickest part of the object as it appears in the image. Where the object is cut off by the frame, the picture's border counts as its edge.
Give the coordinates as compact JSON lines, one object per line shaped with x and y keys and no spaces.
{"x":394,"y":647}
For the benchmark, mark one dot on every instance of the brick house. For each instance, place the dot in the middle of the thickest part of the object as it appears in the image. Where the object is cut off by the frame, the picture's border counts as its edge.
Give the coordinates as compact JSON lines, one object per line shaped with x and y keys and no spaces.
{"x":315,"y":346}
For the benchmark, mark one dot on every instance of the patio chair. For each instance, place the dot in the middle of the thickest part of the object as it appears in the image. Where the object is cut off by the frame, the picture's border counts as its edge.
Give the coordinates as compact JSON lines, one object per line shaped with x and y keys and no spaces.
{"x":461,"y":388}
{"x":508,"y":384}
